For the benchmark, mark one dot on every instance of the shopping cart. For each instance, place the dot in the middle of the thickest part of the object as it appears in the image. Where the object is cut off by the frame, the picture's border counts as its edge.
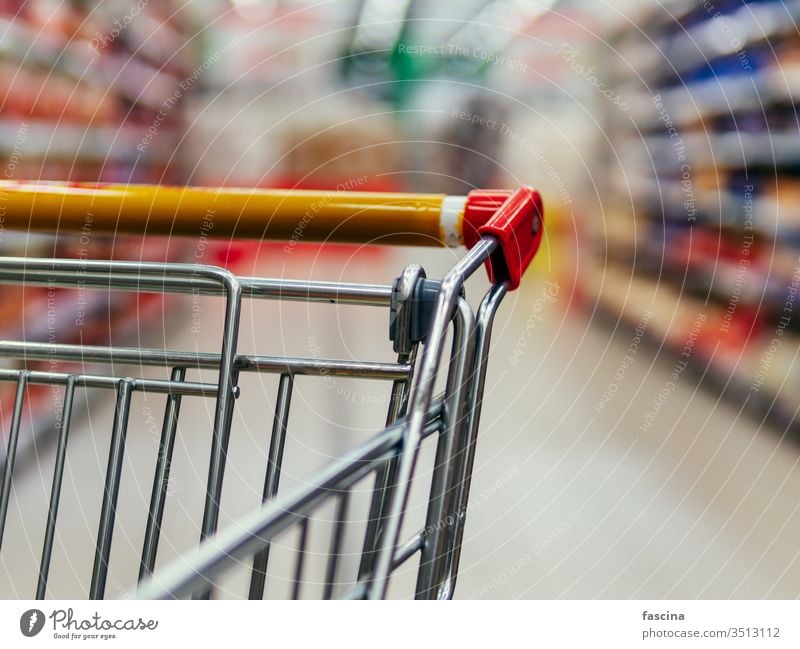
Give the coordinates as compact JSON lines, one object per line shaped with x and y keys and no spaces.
{"x":502,"y":229}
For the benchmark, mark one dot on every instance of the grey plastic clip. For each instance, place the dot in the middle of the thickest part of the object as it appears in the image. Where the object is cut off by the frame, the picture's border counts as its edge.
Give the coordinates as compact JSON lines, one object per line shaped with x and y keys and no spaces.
{"x":413,"y":301}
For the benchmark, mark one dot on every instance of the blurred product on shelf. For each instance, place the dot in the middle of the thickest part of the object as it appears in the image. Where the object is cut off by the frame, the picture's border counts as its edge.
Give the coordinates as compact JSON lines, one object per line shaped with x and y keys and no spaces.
{"x":84,"y":89}
{"x":711,"y":159}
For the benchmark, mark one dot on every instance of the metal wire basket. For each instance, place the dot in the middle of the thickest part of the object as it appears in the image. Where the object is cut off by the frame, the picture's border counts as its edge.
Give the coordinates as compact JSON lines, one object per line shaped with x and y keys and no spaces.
{"x":501,"y":229}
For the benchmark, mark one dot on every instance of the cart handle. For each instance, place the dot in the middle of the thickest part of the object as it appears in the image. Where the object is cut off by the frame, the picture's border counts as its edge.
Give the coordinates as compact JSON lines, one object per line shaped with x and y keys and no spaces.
{"x":292,"y":216}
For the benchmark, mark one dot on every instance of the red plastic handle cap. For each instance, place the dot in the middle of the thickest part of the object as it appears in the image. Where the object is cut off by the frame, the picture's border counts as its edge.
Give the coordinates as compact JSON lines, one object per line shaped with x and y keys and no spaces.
{"x":480,"y":208}
{"x":517,"y":223}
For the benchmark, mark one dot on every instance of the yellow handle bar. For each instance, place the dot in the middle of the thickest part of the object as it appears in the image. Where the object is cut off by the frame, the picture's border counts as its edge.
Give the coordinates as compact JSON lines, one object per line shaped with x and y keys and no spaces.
{"x":287,"y":215}
{"x":513,"y":219}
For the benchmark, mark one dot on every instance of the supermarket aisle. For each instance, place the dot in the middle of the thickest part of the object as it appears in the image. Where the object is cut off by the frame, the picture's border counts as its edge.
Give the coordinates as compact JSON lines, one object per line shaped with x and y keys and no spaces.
{"x":584,"y":504}
{"x":567,"y":501}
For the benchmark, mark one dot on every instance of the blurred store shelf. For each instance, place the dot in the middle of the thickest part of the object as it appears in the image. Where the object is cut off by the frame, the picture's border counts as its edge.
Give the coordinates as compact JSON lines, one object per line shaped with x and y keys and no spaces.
{"x":702,"y":212}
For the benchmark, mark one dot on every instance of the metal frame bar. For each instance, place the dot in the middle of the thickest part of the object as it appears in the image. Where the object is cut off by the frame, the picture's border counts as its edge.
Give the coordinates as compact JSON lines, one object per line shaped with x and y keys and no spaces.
{"x":447,"y":449}
{"x":273,"y":475}
{"x":108,"y":509}
{"x":154,"y":386}
{"x":55,"y":492}
{"x":446,"y":305}
{"x":390,"y":455}
{"x":198,"y":568}
{"x":34,"y":351}
{"x":252,"y":287}
{"x":11,"y":453}
{"x":454,"y":517}
{"x":166,"y":446}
